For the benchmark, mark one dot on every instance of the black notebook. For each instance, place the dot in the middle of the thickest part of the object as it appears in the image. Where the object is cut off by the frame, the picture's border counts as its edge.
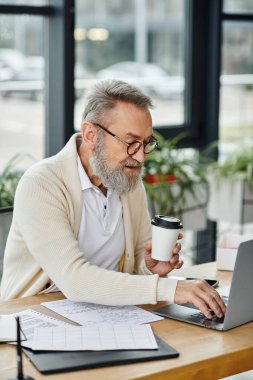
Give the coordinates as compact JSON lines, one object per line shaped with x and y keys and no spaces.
{"x":53,"y":362}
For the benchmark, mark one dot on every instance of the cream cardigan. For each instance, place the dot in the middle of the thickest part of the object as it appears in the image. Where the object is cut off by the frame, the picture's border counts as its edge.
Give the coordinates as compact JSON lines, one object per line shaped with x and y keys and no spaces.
{"x":42,"y":246}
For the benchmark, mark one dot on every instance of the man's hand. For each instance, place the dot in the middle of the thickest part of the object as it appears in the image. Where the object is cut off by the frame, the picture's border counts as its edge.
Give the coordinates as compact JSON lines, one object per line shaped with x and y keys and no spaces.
{"x":163,"y":267}
{"x":202,"y":295}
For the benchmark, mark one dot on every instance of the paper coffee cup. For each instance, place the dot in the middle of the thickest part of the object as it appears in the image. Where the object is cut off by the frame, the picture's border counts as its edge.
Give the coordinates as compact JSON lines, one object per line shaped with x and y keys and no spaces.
{"x":165,"y":231}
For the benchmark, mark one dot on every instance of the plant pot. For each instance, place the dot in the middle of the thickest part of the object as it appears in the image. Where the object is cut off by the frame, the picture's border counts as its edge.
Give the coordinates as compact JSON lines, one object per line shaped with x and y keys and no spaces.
{"x":191,"y":208}
{"x":5,"y":223}
{"x":230,"y":200}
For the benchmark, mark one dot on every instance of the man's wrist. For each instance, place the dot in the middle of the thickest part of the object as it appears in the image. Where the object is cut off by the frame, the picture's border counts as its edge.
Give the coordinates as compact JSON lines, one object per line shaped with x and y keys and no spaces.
{"x":166,"y":289}
{"x":145,"y":269}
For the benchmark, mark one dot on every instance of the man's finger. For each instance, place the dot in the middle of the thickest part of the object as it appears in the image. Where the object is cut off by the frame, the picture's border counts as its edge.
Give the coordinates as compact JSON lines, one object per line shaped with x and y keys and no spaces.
{"x":177,"y":248}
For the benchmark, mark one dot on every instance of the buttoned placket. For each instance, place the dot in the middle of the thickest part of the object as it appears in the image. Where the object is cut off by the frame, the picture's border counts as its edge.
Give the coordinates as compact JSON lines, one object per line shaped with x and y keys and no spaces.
{"x":103,"y":205}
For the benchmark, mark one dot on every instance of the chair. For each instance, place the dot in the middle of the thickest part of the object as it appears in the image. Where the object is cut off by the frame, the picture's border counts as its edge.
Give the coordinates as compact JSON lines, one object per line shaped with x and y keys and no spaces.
{"x":5,"y":223}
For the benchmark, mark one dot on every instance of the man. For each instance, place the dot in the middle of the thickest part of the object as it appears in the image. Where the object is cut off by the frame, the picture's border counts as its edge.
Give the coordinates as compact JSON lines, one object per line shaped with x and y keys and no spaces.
{"x":81,"y":223}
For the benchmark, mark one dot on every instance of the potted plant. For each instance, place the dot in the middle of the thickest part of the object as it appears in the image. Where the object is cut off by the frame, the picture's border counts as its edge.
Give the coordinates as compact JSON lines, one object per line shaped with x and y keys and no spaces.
{"x":231,"y":187}
{"x":9,"y":178}
{"x":175,"y":183}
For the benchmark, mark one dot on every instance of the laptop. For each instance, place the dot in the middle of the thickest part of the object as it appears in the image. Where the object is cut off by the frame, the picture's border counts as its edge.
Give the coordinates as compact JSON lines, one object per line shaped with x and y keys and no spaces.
{"x":239,"y":302}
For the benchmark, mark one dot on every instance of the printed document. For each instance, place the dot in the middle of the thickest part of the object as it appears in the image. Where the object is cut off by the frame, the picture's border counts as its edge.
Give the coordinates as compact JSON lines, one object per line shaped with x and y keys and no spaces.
{"x":29,"y":319}
{"x":89,"y":314}
{"x":94,"y":338}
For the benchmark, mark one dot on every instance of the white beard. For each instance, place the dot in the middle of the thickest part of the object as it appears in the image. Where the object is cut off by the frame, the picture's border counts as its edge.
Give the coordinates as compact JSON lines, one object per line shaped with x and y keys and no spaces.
{"x":113,"y":177}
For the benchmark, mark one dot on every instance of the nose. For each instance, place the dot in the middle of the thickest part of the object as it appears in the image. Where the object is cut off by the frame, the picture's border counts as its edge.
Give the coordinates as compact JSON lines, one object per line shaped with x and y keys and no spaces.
{"x":139,"y":155}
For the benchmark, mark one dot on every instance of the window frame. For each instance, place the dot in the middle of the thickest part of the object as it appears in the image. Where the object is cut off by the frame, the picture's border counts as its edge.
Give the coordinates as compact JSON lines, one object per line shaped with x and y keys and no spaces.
{"x":206,"y":240}
{"x":59,"y":67}
{"x":202,"y":67}
{"x":200,"y":73}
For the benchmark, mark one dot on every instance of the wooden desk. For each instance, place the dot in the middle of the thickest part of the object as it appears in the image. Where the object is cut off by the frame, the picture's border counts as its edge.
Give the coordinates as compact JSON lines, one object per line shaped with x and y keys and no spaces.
{"x":204,"y":354}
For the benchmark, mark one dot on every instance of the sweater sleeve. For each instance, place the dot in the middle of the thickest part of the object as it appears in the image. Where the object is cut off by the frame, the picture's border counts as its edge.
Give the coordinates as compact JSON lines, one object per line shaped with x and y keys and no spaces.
{"x":42,"y":214}
{"x":166,"y":288}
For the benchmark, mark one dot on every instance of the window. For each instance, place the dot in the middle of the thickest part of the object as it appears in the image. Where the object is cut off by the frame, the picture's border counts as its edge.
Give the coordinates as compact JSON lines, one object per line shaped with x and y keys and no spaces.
{"x":236,"y":90}
{"x":139,"y":41}
{"x":236,"y":113}
{"x":237,"y":6}
{"x":22,"y":73}
{"x":43,"y":34}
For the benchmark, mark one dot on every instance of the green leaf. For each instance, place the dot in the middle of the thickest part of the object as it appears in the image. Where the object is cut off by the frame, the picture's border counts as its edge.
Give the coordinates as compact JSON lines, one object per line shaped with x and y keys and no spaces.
{"x":187,"y":170}
{"x":9,"y":178}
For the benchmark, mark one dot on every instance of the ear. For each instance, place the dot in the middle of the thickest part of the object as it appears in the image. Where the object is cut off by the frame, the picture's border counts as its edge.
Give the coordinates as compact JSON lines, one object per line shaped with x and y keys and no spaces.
{"x":89,"y":135}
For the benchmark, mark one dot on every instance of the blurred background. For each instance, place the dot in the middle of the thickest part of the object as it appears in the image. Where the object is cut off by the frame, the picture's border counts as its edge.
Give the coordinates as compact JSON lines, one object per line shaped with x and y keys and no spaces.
{"x":193,"y":57}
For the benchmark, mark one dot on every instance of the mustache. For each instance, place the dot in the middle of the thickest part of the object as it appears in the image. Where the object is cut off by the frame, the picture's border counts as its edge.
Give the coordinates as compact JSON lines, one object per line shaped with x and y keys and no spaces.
{"x":132,"y":163}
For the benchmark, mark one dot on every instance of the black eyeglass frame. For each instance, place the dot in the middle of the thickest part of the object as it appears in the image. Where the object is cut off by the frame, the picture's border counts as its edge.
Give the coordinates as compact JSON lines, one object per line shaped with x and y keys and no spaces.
{"x":129,"y":145}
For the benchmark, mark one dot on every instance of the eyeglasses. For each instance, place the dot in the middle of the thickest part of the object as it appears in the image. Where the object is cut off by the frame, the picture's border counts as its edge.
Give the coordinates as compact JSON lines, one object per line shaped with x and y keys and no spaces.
{"x":133,"y":147}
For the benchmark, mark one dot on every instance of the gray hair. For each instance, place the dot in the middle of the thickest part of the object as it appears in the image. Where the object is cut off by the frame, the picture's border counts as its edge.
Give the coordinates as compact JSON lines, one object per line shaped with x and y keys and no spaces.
{"x":105,"y":94}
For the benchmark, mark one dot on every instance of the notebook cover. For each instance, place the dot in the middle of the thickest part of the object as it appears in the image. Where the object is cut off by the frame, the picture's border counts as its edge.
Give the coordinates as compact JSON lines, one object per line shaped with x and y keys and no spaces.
{"x":53,"y":362}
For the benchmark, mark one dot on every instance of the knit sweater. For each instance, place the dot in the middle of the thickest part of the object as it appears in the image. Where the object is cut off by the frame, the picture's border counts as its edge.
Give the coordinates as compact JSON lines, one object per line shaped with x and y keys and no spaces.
{"x":42,"y":247}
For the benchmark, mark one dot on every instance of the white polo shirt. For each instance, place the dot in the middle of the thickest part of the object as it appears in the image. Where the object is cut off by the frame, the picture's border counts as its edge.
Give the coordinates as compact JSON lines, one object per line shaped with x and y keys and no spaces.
{"x":101,"y":233}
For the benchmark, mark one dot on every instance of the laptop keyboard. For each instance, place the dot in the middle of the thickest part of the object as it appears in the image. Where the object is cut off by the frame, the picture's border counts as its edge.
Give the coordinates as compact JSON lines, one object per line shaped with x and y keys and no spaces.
{"x":200,"y":317}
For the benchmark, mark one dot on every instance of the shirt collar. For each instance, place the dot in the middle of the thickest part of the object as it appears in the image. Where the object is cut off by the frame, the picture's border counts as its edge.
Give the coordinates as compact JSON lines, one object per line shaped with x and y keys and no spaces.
{"x":84,"y":179}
